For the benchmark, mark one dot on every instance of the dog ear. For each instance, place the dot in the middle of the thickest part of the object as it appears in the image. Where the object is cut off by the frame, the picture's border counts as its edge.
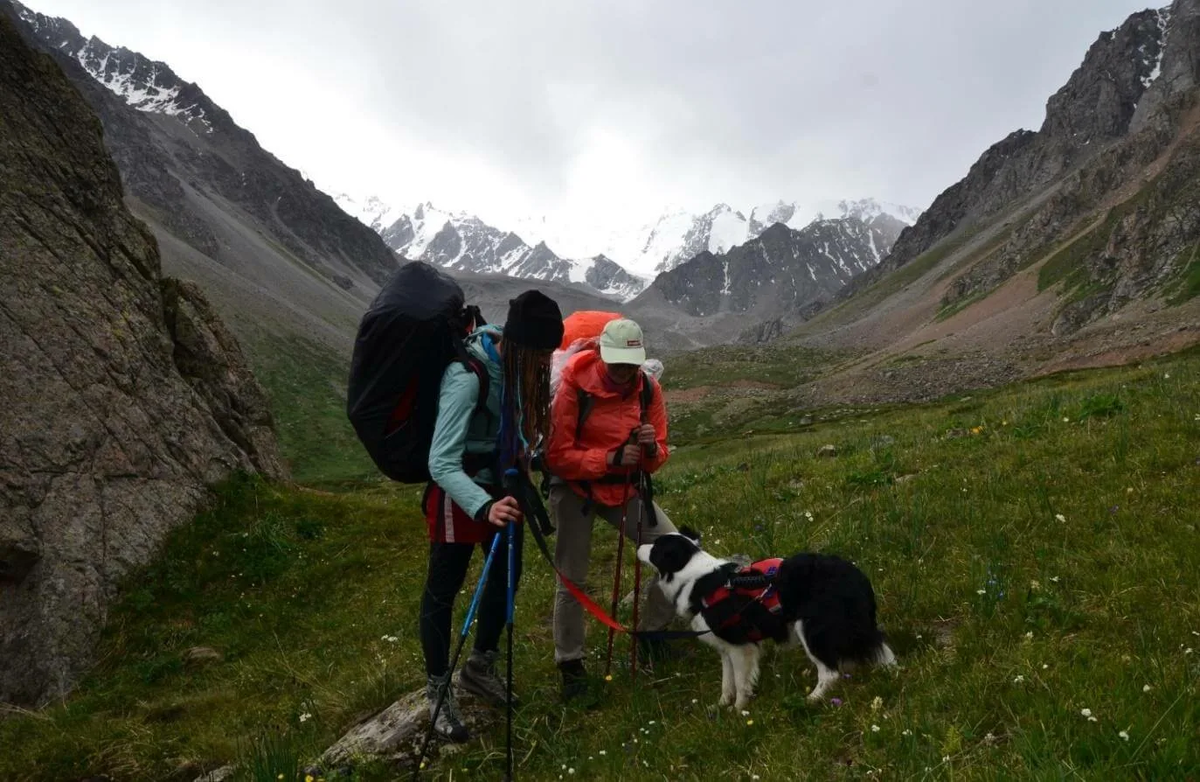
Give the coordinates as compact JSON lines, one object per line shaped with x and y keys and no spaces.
{"x":690,"y":533}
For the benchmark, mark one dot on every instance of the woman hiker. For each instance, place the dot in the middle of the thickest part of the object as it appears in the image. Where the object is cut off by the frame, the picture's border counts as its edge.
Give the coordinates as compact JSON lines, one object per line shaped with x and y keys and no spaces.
{"x":465,"y":505}
{"x":595,"y":462}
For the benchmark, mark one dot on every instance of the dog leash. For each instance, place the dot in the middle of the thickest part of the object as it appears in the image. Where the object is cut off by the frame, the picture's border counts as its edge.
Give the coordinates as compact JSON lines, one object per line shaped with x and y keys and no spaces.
{"x":531,"y":505}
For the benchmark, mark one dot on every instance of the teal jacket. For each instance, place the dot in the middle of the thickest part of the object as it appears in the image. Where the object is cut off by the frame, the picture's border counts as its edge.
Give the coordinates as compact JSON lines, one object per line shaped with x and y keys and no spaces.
{"x":458,"y":431}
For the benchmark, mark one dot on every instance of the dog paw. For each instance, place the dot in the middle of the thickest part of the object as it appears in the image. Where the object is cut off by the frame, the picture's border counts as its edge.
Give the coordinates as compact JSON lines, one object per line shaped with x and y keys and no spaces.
{"x":815,"y":697}
{"x":725,"y":700}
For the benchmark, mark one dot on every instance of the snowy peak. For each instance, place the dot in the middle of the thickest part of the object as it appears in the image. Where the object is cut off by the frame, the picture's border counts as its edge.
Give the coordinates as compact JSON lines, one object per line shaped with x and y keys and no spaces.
{"x":678,"y":236}
{"x":144,"y":84}
{"x":782,"y":270}
{"x":371,"y":211}
{"x":463,"y":242}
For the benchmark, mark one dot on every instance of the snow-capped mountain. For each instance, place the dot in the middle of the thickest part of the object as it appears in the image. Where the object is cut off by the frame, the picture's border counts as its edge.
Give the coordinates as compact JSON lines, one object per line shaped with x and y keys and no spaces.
{"x":678,"y":235}
{"x":371,"y":211}
{"x":463,"y":242}
{"x":144,"y":84}
{"x":203,"y":182}
{"x":779,"y":271}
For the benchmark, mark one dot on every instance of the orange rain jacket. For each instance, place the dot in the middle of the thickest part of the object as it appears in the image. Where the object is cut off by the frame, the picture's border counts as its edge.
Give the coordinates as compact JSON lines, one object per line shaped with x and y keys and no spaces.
{"x":607,"y":427}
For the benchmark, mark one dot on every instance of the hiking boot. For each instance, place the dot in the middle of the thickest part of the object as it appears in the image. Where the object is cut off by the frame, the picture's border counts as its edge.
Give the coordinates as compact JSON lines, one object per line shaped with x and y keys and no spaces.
{"x":449,"y":722}
{"x":574,"y":680}
{"x":478,"y":676}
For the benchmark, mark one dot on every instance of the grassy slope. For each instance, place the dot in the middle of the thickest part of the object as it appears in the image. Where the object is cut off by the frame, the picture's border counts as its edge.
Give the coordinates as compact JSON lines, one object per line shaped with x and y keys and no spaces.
{"x":1008,"y":620}
{"x":307,"y":386}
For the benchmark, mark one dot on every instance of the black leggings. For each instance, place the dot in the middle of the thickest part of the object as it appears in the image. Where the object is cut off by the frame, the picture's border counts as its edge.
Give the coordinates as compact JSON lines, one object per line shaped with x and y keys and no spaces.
{"x":448,"y":564}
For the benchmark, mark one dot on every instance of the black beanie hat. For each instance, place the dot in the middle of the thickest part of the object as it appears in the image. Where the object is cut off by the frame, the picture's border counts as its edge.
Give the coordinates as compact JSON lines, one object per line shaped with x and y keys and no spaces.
{"x":534,"y":321}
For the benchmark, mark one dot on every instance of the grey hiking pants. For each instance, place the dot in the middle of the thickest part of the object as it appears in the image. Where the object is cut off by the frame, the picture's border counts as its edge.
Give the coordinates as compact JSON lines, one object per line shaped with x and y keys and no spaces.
{"x":573,"y":552}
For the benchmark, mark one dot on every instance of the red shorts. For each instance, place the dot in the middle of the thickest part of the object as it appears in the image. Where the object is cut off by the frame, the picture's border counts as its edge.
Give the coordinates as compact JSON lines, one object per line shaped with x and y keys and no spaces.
{"x":449,"y":523}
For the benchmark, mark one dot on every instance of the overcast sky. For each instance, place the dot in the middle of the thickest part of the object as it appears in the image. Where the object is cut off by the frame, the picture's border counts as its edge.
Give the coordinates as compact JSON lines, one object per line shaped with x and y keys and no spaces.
{"x":610,"y":111}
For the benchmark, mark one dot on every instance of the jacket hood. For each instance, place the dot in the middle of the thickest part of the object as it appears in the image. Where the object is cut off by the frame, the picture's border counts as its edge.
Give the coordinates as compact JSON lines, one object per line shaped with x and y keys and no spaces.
{"x":586,"y":370}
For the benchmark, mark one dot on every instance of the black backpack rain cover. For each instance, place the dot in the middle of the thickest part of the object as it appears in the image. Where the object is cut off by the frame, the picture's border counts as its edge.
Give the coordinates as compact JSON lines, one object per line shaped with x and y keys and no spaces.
{"x":409,"y":335}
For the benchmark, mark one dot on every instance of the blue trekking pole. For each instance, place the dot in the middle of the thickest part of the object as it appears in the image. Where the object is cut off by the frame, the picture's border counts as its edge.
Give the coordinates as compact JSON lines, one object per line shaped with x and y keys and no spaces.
{"x":510,"y":482}
{"x":462,"y":639}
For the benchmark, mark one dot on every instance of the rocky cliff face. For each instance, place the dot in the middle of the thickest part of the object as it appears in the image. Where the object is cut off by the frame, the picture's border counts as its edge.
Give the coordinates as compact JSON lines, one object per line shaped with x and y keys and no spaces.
{"x":1095,"y":108}
{"x":124,"y":398}
{"x":175,"y":146}
{"x":1125,"y":224}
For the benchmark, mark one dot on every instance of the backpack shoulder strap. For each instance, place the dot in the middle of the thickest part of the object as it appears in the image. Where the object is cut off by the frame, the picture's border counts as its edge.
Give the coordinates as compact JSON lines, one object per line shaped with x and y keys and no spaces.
{"x":476,"y":367}
{"x":585,"y":401}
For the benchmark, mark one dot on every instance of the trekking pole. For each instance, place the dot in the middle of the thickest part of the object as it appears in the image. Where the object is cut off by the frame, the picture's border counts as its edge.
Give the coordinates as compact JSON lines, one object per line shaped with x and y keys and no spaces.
{"x":616,"y":595}
{"x":462,"y":638}
{"x":637,"y":593}
{"x":512,"y":566}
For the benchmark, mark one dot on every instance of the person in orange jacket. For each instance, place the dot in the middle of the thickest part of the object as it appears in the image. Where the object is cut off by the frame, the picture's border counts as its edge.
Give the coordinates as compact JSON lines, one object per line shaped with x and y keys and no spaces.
{"x":594,"y":460}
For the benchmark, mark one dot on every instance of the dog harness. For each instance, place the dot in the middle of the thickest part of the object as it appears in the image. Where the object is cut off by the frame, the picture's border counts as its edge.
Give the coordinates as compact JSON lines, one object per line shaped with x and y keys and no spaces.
{"x":754,"y":608}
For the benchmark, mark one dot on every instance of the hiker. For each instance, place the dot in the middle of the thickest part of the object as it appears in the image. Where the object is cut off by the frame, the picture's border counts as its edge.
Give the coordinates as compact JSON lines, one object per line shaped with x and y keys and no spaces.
{"x":594,"y":460}
{"x":464,"y":504}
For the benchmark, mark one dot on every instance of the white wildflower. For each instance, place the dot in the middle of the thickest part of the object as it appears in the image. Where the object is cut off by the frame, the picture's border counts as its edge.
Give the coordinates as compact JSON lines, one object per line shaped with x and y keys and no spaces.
{"x":906,"y":732}
{"x":1019,"y":679}
{"x":1124,"y":735}
{"x":877,"y":704}
{"x":874,"y":728}
{"x":305,"y":717}
{"x":1059,"y":518}
{"x":1086,"y":712}
{"x":981,"y":591}
{"x":1146,"y":688}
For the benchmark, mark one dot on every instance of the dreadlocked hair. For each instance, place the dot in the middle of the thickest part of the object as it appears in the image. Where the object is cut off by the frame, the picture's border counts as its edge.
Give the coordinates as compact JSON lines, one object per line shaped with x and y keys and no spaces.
{"x":525,"y":415}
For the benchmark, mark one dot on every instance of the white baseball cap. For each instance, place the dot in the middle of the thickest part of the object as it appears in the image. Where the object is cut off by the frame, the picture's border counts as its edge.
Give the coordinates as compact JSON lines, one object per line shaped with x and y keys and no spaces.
{"x":621,"y":343}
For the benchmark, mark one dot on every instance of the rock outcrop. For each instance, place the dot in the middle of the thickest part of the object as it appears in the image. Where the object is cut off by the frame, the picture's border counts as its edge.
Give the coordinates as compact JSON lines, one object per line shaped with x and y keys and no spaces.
{"x":124,"y":397}
{"x":1095,"y":108}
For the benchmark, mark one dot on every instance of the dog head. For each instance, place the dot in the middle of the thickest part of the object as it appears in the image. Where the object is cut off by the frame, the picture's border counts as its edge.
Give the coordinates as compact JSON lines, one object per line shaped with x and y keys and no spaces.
{"x":670,"y":554}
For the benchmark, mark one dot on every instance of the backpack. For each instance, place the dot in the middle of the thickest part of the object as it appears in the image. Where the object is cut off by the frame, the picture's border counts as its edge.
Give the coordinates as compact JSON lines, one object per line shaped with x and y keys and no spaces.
{"x":586,"y":401}
{"x":412,"y":331}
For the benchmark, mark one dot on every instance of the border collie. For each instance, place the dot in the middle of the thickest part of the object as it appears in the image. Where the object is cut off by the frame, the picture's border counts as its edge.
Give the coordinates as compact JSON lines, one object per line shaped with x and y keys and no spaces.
{"x":818,"y":600}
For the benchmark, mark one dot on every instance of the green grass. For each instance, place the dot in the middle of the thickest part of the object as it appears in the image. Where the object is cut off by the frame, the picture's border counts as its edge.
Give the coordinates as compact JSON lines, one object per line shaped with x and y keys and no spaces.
{"x":1189,"y":283}
{"x":307,"y":386}
{"x":1068,"y":264}
{"x":1034,"y":551}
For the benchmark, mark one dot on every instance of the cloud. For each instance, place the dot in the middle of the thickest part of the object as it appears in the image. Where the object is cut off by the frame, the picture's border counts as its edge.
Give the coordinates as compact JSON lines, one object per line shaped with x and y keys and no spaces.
{"x":603,"y":111}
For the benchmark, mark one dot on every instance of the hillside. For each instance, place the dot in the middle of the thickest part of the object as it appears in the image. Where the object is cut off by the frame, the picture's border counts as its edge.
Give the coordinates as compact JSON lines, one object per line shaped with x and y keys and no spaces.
{"x":758,"y":289}
{"x":1071,"y":246}
{"x":125,"y":397}
{"x":1029,"y":547}
{"x":277,"y":257}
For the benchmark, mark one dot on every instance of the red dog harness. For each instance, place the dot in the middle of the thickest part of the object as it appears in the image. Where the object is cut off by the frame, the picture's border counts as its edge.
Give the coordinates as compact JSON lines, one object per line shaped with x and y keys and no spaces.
{"x":755,"y":610}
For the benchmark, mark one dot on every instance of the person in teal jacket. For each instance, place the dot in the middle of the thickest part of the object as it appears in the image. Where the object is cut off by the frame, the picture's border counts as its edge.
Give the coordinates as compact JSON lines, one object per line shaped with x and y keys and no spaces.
{"x":465,"y":506}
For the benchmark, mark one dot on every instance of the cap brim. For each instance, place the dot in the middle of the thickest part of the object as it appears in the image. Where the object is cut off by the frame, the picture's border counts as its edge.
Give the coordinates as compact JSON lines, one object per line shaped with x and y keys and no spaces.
{"x":635,"y":356}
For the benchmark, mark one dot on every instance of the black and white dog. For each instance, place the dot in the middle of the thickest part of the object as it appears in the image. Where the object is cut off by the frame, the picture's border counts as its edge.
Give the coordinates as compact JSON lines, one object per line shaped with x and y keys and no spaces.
{"x":818,"y":600}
